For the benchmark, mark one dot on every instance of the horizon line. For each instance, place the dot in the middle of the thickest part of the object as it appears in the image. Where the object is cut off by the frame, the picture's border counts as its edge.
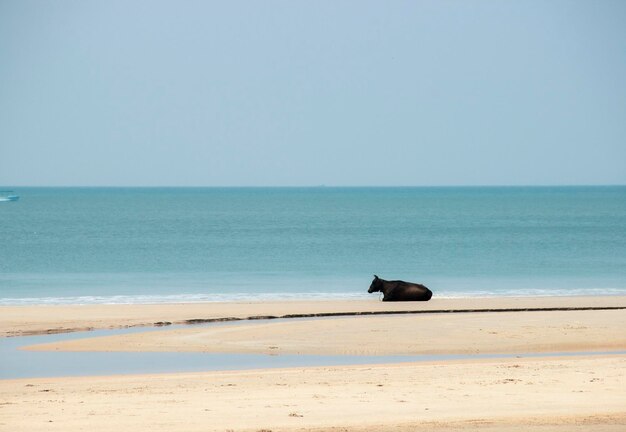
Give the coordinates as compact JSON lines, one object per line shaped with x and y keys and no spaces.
{"x":320,"y":186}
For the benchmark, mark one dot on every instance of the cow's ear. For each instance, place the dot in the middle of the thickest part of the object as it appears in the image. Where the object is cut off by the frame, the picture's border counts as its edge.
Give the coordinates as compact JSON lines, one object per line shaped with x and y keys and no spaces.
{"x":375,"y":277}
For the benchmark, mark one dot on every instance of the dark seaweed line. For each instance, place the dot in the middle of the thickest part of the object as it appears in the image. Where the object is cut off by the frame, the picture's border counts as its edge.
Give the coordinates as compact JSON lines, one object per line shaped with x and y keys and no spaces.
{"x":313,"y":315}
{"x":405,"y":312}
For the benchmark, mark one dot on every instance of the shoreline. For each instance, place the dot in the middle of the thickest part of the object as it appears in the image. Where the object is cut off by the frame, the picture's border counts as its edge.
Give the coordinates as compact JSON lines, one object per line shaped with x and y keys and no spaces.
{"x":51,"y":319}
{"x":283,"y":296}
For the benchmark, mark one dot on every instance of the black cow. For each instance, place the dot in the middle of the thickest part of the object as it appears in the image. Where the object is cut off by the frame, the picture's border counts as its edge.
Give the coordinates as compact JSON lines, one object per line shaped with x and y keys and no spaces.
{"x":399,"y":290}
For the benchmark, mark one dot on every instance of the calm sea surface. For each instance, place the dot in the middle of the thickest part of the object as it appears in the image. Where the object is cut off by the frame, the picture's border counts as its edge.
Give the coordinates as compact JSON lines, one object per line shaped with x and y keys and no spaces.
{"x":126,"y":245}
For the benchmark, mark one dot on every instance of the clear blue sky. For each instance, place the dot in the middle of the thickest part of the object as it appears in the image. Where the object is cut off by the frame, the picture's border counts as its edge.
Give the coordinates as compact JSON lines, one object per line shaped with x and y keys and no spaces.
{"x":217,"y":93}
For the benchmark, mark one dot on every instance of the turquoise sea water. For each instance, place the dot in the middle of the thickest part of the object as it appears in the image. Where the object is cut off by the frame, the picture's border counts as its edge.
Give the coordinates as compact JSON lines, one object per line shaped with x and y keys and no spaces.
{"x":125,"y":245}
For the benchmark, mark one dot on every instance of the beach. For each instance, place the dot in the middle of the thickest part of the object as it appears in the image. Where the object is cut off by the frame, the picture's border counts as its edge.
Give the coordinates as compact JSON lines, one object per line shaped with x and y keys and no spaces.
{"x":557,"y":391}
{"x":204,"y":203}
{"x":25,"y":320}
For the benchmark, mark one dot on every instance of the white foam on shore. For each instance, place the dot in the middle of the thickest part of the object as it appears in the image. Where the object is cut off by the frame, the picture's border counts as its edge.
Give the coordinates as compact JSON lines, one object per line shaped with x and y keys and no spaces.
{"x":277,"y":296}
{"x":177,"y":298}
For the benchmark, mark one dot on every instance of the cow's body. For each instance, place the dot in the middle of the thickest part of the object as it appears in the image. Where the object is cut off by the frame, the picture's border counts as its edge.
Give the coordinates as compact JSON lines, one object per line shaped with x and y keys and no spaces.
{"x":399,"y":290}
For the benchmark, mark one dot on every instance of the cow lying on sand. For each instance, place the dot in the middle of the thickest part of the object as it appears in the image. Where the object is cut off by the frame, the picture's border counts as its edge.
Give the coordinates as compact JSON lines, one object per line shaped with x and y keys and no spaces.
{"x":399,"y":290}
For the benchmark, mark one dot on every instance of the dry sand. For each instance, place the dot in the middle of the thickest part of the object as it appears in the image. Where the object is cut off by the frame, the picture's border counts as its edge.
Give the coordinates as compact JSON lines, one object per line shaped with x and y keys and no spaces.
{"x":586,"y":393}
{"x":562,"y":394}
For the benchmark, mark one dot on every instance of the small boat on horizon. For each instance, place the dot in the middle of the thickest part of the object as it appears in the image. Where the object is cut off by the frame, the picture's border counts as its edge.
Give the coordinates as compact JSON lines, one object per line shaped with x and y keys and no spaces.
{"x":10,"y":196}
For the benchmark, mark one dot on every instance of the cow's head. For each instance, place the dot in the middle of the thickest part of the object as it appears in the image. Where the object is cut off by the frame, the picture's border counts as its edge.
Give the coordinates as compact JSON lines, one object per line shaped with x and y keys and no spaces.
{"x":377,"y":285}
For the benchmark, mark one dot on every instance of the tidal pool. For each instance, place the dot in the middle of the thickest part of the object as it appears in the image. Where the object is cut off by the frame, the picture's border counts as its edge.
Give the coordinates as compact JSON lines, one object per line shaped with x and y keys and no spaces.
{"x":17,"y":363}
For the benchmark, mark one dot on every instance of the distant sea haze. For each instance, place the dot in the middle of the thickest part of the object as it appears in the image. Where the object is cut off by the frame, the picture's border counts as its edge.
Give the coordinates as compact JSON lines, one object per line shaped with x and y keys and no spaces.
{"x":151,"y":245}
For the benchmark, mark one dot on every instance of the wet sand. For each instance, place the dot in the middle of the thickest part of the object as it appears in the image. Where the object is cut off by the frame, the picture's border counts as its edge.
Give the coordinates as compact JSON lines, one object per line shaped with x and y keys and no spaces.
{"x":26,"y":320}
{"x":462,"y":333}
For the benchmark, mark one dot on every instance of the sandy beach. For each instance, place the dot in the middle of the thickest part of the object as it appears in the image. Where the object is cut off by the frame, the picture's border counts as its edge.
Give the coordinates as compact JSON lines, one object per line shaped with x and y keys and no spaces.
{"x":552,"y":393}
{"x":25,"y":320}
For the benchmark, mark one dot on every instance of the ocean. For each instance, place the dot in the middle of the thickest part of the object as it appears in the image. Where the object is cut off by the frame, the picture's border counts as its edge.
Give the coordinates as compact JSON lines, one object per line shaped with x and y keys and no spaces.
{"x":151,"y":245}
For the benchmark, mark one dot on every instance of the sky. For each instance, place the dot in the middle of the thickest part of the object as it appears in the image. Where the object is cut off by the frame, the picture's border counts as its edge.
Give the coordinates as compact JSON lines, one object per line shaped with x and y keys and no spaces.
{"x":307,"y":93}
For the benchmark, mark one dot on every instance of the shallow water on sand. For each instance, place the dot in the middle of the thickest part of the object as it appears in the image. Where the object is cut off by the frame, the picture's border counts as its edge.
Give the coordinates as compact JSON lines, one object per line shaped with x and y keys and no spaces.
{"x":17,"y":363}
